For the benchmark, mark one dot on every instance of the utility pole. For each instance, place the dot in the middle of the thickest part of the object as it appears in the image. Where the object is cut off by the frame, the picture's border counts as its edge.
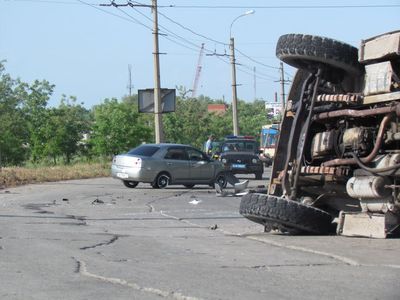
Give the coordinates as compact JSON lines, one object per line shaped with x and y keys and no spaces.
{"x":234,"y":90}
{"x":158,"y":125}
{"x":234,"y":85}
{"x":130,"y":86}
{"x":255,"y":83}
{"x":159,"y":136}
{"x":282,"y":81}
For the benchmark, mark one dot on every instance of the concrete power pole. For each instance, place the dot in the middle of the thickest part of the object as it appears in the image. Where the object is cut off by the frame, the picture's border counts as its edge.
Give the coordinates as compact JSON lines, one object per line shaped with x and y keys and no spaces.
{"x":282,"y":81}
{"x":158,"y":125}
{"x":159,"y":136}
{"x":234,"y":90}
{"x":255,"y":83}
{"x":130,"y":86}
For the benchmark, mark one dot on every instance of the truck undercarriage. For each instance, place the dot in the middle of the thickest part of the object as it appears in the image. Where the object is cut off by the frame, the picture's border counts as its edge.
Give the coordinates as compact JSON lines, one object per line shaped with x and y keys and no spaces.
{"x":337,"y":167}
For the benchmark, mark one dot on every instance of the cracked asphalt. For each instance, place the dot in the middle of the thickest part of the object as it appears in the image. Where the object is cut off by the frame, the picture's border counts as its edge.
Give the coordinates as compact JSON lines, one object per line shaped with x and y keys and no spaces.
{"x":96,"y":239}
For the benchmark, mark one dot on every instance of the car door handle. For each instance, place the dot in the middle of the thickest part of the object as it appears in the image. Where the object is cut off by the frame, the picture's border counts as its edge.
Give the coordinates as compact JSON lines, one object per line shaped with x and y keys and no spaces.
{"x":169,"y":163}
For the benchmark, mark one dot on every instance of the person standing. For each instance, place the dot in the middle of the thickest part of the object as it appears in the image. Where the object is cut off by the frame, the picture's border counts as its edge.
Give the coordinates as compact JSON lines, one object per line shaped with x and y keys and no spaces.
{"x":209,"y":144}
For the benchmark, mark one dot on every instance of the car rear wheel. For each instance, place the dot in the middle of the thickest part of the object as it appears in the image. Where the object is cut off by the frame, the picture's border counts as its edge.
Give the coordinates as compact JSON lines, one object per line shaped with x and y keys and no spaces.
{"x":267,"y":209}
{"x":130,"y":184}
{"x":162,"y":181}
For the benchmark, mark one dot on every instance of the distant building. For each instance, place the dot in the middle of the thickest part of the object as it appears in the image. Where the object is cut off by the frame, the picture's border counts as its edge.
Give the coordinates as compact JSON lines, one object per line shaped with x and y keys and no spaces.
{"x":218,"y":109}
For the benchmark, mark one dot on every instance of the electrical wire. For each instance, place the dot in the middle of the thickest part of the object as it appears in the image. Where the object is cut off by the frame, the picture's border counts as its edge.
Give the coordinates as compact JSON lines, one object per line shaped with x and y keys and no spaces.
{"x":257,"y":62}
{"x":174,"y":35}
{"x":100,"y":9}
{"x":192,"y":31}
{"x":170,"y":32}
{"x":131,"y":18}
{"x":240,"y":6}
{"x":137,"y":21}
{"x":240,"y":67}
{"x":284,"y":6}
{"x":261,"y":74}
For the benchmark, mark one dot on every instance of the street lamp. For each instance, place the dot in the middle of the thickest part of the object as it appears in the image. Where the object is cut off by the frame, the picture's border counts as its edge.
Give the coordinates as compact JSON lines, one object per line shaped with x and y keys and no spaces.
{"x":233,"y":63}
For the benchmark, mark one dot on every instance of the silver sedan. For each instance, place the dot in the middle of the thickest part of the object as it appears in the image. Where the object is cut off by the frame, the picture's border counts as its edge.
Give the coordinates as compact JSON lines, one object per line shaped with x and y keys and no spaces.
{"x":166,"y":164}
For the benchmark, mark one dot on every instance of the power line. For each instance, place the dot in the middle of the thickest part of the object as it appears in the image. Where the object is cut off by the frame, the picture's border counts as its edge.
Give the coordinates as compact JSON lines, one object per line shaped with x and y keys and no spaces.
{"x":255,"y":61}
{"x":178,"y":37}
{"x":241,"y":66}
{"x":138,"y":22}
{"x":192,"y":31}
{"x":173,"y":36}
{"x":235,"y":6}
{"x":100,"y":9}
{"x":285,"y":6}
{"x":167,"y":30}
{"x":132,"y":4}
{"x":257,"y":72}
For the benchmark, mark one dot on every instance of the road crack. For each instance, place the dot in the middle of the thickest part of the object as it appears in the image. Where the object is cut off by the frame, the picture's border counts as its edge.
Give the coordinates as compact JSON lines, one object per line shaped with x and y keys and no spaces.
{"x":112,"y":240}
{"x":82,"y":270}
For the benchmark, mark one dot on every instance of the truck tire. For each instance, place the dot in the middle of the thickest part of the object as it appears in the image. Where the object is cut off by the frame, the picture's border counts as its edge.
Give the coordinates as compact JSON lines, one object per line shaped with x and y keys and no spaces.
{"x":309,"y":52}
{"x":265,"y":209}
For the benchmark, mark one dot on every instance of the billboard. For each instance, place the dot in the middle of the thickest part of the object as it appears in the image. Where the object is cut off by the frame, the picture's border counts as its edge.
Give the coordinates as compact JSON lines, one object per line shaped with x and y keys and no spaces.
{"x":146,"y":100}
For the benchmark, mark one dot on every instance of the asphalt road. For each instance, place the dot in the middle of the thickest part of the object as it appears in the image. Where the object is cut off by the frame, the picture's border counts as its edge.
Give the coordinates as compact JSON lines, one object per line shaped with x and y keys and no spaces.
{"x":96,"y":239}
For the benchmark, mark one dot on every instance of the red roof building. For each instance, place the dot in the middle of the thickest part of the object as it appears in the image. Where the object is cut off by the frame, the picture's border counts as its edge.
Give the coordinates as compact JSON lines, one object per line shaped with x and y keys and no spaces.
{"x":218,"y":109}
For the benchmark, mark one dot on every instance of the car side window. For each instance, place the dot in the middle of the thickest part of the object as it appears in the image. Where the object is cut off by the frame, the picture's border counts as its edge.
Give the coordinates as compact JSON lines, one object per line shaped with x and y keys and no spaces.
{"x":196,"y":155}
{"x":176,"y":153}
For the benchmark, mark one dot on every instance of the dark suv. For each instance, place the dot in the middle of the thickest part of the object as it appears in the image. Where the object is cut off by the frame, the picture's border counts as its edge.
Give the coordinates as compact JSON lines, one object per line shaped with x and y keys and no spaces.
{"x":240,"y":155}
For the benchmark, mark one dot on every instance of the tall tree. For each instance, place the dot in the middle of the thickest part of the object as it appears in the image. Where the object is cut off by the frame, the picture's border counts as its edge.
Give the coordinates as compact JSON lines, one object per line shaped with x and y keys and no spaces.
{"x":117,"y":127}
{"x":64,"y":130}
{"x":35,"y":99}
{"x":13,"y":134}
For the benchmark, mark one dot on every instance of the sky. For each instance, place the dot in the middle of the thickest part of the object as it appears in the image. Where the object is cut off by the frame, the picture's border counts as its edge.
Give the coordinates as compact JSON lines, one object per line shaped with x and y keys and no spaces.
{"x":85,"y":49}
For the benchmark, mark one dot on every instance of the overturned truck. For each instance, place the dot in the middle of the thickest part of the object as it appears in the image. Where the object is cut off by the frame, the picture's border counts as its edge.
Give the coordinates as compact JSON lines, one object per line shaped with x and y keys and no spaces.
{"x":337,"y":164}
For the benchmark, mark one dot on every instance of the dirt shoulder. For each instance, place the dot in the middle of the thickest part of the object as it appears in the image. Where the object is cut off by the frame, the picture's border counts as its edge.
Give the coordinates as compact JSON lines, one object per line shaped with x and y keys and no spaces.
{"x":15,"y":176}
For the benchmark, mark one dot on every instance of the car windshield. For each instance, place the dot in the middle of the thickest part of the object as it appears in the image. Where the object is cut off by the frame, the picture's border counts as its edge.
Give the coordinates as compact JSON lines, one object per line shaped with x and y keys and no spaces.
{"x":144,"y":150}
{"x":249,"y":146}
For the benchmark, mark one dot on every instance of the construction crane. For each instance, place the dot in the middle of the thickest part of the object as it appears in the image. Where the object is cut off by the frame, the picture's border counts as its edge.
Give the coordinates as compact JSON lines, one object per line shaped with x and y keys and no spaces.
{"x":198,"y":71}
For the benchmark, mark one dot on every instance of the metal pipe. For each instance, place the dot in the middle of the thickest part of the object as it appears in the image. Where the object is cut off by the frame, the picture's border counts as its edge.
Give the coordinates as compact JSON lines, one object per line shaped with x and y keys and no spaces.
{"x":359,"y":113}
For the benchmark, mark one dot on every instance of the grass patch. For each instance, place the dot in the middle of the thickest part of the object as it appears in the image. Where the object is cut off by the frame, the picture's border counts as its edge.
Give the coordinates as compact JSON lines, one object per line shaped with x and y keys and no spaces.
{"x":14,"y":176}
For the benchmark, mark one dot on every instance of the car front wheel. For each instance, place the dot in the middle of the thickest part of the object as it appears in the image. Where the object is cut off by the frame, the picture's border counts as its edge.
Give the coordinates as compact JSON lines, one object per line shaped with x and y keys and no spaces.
{"x":221,"y":180}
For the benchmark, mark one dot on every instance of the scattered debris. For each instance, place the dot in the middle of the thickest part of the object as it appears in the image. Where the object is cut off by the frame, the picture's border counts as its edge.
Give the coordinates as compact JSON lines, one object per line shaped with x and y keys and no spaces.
{"x":97,"y":201}
{"x":65,"y":199}
{"x":239,"y":189}
{"x":195,"y":201}
{"x":214,"y":227}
